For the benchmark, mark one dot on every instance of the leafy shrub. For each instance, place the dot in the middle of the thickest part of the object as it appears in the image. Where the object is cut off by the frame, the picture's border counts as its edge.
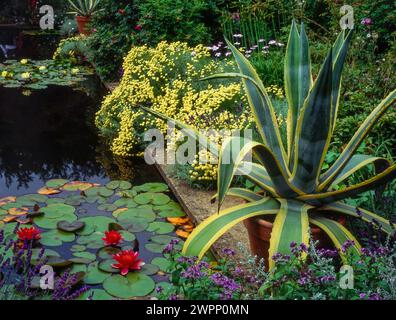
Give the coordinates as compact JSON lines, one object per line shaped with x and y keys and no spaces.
{"x":166,"y":78}
{"x":125,"y":23}
{"x":114,"y":34}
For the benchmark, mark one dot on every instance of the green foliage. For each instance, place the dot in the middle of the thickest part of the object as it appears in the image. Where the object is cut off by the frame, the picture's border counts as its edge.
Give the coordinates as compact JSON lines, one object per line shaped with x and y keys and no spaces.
{"x":290,"y":176}
{"x":85,"y":8}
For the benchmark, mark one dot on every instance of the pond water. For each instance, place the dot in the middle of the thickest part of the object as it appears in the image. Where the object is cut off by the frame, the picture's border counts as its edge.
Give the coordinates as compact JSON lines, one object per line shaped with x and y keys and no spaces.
{"x":50,"y":134}
{"x":47,"y":134}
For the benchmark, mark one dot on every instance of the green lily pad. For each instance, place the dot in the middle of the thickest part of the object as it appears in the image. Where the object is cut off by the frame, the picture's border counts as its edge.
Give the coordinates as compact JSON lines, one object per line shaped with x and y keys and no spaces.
{"x":74,"y":200}
{"x":130,"y":215}
{"x":123,"y":185}
{"x":77,"y":248}
{"x":56,"y":183}
{"x":99,"y":191}
{"x":127,"y":193}
{"x":133,"y":285}
{"x":162,"y":263}
{"x":78,"y":267}
{"x":32,"y":199}
{"x":149,"y":269}
{"x":107,"y":207}
{"x":155,"y":247}
{"x":54,"y":213}
{"x":98,"y":223}
{"x":107,"y":252}
{"x":78,"y":260}
{"x":106,"y":266}
{"x":137,"y":226}
{"x":151,"y":187}
{"x":55,"y":200}
{"x":70,"y":226}
{"x":127,"y":236}
{"x":96,"y":294}
{"x":92,"y":241}
{"x":160,"y":227}
{"x":58,"y":262}
{"x":125,"y":202}
{"x":170,"y":210}
{"x":94,"y":275}
{"x":54,"y":238}
{"x":151,"y":197}
{"x":86,"y":255}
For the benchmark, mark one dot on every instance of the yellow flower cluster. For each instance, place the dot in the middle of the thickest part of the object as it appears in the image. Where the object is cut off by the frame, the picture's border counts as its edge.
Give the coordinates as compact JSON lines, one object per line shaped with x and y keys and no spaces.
{"x":276,"y":91}
{"x":66,"y":47}
{"x":167,"y":79}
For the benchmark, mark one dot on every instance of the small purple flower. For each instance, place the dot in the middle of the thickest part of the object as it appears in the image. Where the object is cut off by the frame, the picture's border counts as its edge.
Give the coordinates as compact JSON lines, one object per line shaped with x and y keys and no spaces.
{"x":362,"y":295}
{"x":173,"y":297}
{"x":366,"y":21}
{"x":159,"y":289}
{"x":347,"y":244}
{"x":228,"y":252}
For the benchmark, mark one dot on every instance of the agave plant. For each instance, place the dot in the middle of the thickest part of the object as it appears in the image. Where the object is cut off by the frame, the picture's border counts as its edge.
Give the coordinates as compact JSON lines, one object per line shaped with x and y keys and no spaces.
{"x":84,"y":8}
{"x":292,"y":186}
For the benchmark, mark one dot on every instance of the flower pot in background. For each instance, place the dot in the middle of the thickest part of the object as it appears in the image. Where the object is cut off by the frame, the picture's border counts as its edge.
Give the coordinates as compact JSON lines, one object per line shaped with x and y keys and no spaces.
{"x":259,"y":231}
{"x":82,"y":22}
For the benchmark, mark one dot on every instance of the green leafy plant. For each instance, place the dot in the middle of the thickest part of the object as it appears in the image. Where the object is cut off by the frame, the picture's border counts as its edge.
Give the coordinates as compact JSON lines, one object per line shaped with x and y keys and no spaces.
{"x":85,"y":8}
{"x":292,"y":185}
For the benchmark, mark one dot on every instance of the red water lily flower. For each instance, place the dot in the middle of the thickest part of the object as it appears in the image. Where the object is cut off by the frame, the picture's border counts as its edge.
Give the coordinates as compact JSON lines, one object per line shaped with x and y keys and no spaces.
{"x":28,"y":234}
{"x":112,"y":238}
{"x":121,"y":11}
{"x":127,"y":260}
{"x":138,"y":27}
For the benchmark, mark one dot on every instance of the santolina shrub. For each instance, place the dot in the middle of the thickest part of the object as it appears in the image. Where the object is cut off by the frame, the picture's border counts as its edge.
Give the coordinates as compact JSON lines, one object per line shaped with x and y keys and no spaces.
{"x":167,"y":79}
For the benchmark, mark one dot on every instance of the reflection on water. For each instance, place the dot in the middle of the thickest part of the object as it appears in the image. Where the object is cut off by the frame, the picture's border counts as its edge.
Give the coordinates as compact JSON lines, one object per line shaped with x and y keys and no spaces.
{"x":50,"y":134}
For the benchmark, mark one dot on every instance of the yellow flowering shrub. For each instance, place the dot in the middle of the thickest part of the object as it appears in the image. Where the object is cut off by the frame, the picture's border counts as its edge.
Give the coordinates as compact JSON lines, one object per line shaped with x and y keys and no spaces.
{"x":167,"y":79}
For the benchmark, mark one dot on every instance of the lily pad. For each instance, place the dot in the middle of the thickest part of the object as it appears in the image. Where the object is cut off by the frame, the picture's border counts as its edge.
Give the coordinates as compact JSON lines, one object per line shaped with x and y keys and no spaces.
{"x":54,"y":238}
{"x":130,"y":215}
{"x":107,"y":252}
{"x":137,"y":226}
{"x":94,"y":275}
{"x":77,"y":185}
{"x":99,"y":191}
{"x":92,"y":241}
{"x":160,"y":227}
{"x":151,"y":187}
{"x":162,"y":263}
{"x":96,"y":294}
{"x":170,"y":210}
{"x":106,"y":266}
{"x":86,"y":255}
{"x":77,"y":248}
{"x":107,"y":207}
{"x":149,"y":269}
{"x":127,"y":236}
{"x":125,"y":202}
{"x":93,"y":224}
{"x":151,"y":197}
{"x":56,"y":183}
{"x":117,"y":184}
{"x":54,"y":213}
{"x":70,"y":226}
{"x":133,"y":285}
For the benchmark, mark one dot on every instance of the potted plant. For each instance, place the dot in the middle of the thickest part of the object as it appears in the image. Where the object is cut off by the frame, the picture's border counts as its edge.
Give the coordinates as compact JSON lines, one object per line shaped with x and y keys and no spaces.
{"x":83,"y":10}
{"x":292,"y":187}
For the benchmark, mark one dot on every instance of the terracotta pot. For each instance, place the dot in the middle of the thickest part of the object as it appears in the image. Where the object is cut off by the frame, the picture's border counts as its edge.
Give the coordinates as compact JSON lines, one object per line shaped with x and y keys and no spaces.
{"x":259,"y":231}
{"x":82,"y":25}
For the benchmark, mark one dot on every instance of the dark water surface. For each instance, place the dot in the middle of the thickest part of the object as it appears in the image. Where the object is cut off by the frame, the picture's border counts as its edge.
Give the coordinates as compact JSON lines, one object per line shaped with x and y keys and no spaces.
{"x":50,"y":134}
